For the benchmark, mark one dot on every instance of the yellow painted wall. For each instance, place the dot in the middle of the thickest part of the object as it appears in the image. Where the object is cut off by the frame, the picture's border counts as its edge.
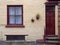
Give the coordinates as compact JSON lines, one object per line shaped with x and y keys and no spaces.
{"x":30,"y":9}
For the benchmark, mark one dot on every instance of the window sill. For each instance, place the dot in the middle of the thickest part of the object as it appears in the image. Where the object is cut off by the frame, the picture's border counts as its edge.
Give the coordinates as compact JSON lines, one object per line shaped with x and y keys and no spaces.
{"x":15,"y":26}
{"x":16,"y":35}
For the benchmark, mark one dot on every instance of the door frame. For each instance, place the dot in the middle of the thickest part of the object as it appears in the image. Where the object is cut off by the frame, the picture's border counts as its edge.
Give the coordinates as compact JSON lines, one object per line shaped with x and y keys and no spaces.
{"x":54,"y":3}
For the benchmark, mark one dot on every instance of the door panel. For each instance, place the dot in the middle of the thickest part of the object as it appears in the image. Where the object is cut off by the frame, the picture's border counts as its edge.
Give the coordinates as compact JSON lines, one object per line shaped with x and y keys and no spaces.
{"x":50,"y":22}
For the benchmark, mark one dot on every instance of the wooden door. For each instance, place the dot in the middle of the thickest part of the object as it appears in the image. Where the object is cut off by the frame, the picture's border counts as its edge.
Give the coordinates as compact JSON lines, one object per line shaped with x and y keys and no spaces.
{"x":53,"y":0}
{"x":50,"y":20}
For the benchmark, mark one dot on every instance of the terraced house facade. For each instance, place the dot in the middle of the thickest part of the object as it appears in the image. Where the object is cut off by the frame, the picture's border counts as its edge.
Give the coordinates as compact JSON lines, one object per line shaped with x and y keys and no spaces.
{"x":18,"y":19}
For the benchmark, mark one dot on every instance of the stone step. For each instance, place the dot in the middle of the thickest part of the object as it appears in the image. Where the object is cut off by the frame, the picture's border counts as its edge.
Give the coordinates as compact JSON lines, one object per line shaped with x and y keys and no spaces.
{"x":58,"y":15}
{"x":58,"y":18}
{"x":46,"y":41}
{"x":51,"y":37}
{"x":59,"y":23}
{"x":49,"y":41}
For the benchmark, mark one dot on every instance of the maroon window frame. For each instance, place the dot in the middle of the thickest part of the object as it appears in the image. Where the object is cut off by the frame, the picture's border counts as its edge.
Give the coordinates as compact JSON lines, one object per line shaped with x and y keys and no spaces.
{"x":14,"y":25}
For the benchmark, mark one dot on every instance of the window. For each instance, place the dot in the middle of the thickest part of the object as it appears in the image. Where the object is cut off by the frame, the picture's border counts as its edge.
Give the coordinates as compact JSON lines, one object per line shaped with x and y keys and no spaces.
{"x":50,"y":8}
{"x":15,"y":37}
{"x":15,"y":15}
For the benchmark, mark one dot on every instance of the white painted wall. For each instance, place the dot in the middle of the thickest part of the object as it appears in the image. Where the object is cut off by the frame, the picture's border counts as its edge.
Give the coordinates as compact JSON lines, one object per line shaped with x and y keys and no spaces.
{"x":30,"y":9}
{"x":56,"y":19}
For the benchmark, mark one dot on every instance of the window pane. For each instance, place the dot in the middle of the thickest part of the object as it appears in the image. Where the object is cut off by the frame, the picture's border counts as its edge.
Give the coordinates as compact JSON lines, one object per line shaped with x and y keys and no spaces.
{"x":18,"y":11}
{"x":11,"y":10}
{"x":12,"y":20}
{"x":50,"y":8}
{"x":18,"y":20}
{"x":15,"y":37}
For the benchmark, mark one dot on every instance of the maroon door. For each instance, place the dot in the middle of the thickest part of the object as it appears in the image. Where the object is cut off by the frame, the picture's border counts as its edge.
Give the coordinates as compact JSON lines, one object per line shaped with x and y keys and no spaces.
{"x":53,"y":0}
{"x":50,"y":21}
